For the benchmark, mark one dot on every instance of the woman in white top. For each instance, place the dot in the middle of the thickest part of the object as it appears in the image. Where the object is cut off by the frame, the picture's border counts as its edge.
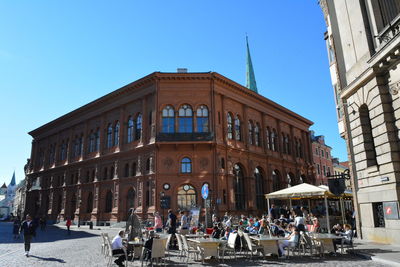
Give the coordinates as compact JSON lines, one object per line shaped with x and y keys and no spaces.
{"x":291,"y":240}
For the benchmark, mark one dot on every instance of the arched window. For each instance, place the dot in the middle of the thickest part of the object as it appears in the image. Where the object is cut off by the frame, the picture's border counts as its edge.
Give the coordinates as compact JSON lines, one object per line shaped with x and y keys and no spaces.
{"x":202,"y":119}
{"x":126,"y":171}
{"x":229,"y":126}
{"x":134,"y":169}
{"x":89,"y":203}
{"x":260,"y":198}
{"x":168,"y":120}
{"x":368,"y":138}
{"x":109,"y":136}
{"x":257,"y":140}
{"x":288,"y":145}
{"x":284,"y":143}
{"x":149,"y":162}
{"x":185,"y":119}
{"x":250,"y":126}
{"x":130,"y":130}
{"x":109,"y":200}
{"x":116,"y":134}
{"x":238,"y":129}
{"x":274,"y":140}
{"x":239,"y":187}
{"x":186,"y":165}
{"x":138,"y":133}
{"x":130,"y":199}
{"x":186,"y":197}
{"x":276,"y":181}
{"x":268,"y":138}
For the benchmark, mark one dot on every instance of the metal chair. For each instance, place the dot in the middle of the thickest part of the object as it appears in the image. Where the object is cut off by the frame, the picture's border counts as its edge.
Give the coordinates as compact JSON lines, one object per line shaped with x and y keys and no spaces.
{"x":157,"y":251}
{"x":189,"y":249}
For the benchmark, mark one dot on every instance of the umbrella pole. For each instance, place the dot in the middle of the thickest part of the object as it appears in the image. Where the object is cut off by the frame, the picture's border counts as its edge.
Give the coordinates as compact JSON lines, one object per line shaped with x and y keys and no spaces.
{"x":290,"y":204}
{"x":269,"y":215}
{"x":327,"y":214}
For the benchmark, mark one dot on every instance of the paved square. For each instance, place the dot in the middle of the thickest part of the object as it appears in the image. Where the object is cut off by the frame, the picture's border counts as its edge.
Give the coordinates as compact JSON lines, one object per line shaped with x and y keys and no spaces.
{"x":53,"y":247}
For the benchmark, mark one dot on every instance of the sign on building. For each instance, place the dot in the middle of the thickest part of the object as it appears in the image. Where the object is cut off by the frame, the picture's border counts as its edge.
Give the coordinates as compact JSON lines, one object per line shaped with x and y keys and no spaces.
{"x":391,"y":210}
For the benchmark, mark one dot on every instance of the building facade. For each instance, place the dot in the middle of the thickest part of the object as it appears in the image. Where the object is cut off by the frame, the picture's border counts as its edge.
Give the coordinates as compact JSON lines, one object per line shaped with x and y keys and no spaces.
{"x":340,"y":168}
{"x":166,"y":135}
{"x":322,"y":159}
{"x":363,"y":48}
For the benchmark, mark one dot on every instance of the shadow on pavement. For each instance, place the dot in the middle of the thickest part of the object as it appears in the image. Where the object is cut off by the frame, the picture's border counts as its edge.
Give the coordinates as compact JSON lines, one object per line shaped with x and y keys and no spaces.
{"x":48,"y":259}
{"x":50,"y":234}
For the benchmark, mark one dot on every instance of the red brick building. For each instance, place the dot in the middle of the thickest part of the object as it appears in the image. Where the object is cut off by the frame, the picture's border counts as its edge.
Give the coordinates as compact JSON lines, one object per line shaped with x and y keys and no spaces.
{"x":322,"y":159}
{"x":166,"y":135}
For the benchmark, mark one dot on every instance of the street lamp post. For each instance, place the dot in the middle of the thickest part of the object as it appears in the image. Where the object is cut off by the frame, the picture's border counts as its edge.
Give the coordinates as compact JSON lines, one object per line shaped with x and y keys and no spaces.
{"x":162,"y":204}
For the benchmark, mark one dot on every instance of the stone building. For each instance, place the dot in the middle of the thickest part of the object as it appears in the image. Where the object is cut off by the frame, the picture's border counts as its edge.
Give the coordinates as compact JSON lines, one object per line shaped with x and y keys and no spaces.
{"x":363,"y":44}
{"x":166,"y":135}
{"x":322,"y":159}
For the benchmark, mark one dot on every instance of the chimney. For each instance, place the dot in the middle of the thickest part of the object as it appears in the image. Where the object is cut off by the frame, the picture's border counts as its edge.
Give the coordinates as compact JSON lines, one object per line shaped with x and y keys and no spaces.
{"x":181,"y":70}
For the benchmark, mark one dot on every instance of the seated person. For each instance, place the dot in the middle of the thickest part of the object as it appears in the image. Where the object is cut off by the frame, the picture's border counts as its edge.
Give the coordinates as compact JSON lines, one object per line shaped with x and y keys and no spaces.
{"x":336,"y":229}
{"x":347,"y":234}
{"x":216,"y":233}
{"x":316,"y":225}
{"x":118,"y":248}
{"x":291,"y":240}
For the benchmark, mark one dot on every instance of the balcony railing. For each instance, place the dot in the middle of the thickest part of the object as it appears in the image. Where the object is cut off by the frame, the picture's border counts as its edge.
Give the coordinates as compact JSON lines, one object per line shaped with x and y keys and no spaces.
{"x":193,"y":137}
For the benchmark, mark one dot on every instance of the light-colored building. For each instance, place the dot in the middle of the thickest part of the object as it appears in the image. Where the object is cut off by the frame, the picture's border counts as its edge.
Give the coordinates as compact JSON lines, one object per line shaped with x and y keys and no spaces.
{"x":7,"y":194}
{"x":363,"y":48}
{"x":340,"y":168}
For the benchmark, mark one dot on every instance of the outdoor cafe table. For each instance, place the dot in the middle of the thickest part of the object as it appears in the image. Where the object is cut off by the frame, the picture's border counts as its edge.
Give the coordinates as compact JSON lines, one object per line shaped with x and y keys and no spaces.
{"x":269,"y":243}
{"x":197,"y":236}
{"x":326,"y":241}
{"x":137,"y":247}
{"x":208,"y":246}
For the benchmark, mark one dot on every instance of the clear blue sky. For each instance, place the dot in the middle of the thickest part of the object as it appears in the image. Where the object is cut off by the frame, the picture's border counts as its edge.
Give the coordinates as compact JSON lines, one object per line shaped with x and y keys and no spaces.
{"x":57,"y":56}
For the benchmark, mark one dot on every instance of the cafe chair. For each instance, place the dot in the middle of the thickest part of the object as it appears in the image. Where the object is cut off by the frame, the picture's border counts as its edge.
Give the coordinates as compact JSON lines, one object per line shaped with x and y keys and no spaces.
{"x":295,"y":248}
{"x":167,"y":246}
{"x":157,"y":251}
{"x":250,"y":246}
{"x":229,"y":247}
{"x":110,"y":255}
{"x":189,"y":249}
{"x":180,"y":245}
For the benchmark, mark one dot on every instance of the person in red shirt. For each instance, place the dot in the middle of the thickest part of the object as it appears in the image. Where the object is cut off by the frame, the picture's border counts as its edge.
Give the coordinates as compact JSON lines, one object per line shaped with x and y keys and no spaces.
{"x":68,"y":224}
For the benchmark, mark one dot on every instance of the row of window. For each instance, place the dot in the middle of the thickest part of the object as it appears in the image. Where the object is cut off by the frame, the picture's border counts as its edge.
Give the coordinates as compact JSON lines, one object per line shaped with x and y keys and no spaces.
{"x":322,"y":152}
{"x":184,"y":122}
{"x":326,"y":170}
{"x":271,"y":136}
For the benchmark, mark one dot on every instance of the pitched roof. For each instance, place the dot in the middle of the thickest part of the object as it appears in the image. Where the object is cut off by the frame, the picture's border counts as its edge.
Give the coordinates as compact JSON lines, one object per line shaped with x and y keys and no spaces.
{"x":4,"y":186}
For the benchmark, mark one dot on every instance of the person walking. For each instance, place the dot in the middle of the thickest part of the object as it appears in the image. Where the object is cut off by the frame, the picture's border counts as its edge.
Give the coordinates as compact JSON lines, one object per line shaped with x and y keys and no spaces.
{"x":29,"y":229}
{"x":16,"y":226}
{"x":68,"y":223}
{"x":158,"y":224}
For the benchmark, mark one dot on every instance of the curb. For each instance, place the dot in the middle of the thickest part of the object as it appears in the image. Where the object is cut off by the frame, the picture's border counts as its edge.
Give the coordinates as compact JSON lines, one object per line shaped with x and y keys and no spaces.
{"x":375,"y":259}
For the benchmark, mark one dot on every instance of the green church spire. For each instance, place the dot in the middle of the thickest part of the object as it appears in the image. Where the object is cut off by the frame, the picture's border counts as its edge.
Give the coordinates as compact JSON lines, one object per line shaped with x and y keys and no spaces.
{"x":250,"y":77}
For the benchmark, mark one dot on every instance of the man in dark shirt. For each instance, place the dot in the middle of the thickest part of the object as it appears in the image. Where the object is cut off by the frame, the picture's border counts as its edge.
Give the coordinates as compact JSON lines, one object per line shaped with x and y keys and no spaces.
{"x":29,"y":229}
{"x":171,"y":224}
{"x":272,"y":212}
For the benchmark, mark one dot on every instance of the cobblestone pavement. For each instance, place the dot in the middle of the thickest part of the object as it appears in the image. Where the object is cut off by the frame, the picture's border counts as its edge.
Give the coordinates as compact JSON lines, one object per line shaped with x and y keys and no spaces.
{"x":53,"y":247}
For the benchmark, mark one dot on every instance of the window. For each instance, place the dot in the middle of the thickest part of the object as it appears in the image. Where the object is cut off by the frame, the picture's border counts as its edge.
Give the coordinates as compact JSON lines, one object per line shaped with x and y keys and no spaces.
{"x":250,"y":128}
{"x":109,"y":136}
{"x":186,"y":165}
{"x":126,"y":171}
{"x":276,"y":181}
{"x":134,"y":169}
{"x":97,"y":140}
{"x":185,"y":119}
{"x":129,"y":138}
{"x":89,"y":205}
{"x":260,"y":198}
{"x":322,"y":153}
{"x":316,"y":151}
{"x":379,"y":216}
{"x":238,"y":130}
{"x":318,"y":169}
{"x":239,"y":187}
{"x":368,"y":139}
{"x":268,"y":138}
{"x":52,"y":154}
{"x":329,"y":171}
{"x":130,"y":199}
{"x":149,"y":162}
{"x":288,"y":145}
{"x":138,"y":133}
{"x":116,"y":134}
{"x":168,"y":120}
{"x":112,"y":173}
{"x":327,"y":154}
{"x":186,"y":197}
{"x":109,"y":200}
{"x":202,"y":119}
{"x":91,"y":143}
{"x":105,"y":173}
{"x":274,"y":140}
{"x":229,"y":126}
{"x":387,"y":10}
{"x":257,"y":140}
{"x":324,"y":168}
{"x":222,"y":163}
